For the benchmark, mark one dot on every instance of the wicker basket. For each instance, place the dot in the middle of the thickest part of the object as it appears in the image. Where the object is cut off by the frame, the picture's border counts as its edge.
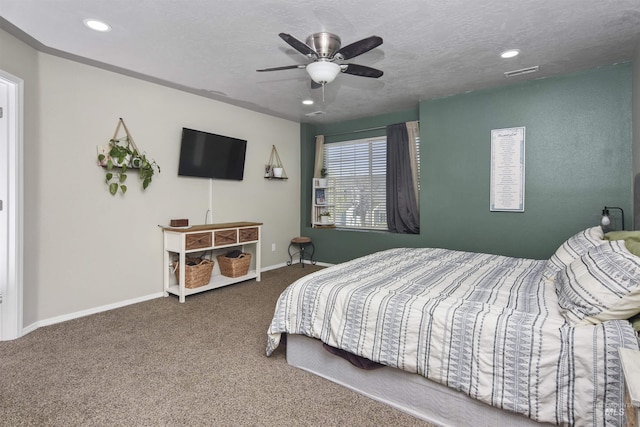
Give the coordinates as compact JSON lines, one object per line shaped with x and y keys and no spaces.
{"x":196,"y":275}
{"x":234,"y":267}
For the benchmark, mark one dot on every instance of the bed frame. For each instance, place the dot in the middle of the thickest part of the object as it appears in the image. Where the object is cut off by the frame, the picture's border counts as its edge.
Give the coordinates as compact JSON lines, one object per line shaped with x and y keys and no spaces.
{"x":402,"y":390}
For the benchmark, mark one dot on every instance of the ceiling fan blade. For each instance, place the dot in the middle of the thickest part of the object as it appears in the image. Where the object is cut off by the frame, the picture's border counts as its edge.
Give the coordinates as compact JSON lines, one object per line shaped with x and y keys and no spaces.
{"x":298,"y":45}
{"x":286,"y":67}
{"x":358,"y":48}
{"x":361,"y":70}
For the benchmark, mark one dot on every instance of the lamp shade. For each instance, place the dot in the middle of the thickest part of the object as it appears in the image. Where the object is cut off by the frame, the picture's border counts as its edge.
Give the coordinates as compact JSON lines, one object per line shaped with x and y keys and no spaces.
{"x":322,"y":71}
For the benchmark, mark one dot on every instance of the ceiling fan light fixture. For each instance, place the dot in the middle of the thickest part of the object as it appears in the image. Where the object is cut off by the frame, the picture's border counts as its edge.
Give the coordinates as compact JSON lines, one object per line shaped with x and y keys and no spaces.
{"x":323,"y":72}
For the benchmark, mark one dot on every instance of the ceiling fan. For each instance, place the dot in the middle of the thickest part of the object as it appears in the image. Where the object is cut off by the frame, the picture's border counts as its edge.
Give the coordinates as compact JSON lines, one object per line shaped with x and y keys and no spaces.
{"x":325,"y":49}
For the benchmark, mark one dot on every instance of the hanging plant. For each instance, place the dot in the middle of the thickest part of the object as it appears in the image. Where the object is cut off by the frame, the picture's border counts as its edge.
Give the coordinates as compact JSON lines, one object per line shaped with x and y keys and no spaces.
{"x":122,"y":156}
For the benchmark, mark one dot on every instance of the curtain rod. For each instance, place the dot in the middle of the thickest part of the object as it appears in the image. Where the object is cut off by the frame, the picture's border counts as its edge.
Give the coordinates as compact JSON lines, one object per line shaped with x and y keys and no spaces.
{"x":360,"y":130}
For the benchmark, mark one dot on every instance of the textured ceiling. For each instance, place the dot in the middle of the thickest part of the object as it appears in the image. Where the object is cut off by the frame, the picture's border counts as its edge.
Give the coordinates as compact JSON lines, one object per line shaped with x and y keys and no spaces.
{"x":432,"y":48}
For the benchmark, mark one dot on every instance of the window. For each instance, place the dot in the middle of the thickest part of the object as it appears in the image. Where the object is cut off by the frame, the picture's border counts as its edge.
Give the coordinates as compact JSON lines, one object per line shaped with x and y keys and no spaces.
{"x":357,"y":173}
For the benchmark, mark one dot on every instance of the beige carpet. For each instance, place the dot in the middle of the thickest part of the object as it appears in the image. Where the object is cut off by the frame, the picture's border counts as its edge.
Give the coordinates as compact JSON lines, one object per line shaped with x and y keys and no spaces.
{"x":162,"y":363}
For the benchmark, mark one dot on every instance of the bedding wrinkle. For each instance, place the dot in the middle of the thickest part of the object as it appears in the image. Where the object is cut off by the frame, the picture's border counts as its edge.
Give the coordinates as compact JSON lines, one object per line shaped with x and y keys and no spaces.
{"x":486,"y":325}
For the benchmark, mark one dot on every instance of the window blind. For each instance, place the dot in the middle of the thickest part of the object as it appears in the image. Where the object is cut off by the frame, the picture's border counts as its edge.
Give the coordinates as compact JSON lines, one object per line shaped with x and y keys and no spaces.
{"x":357,"y":173}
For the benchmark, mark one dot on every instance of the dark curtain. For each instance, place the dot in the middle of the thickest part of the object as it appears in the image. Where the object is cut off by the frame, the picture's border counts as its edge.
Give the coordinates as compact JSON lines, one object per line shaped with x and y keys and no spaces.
{"x":402,"y":206}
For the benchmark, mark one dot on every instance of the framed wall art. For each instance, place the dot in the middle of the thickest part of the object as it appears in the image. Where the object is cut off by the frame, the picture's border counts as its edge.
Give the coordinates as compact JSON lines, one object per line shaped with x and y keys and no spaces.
{"x":507,"y":169}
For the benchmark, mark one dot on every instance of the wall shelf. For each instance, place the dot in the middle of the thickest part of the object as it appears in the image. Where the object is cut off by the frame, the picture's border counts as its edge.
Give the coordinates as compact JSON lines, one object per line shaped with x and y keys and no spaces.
{"x":274,"y":170}
{"x":322,"y":202}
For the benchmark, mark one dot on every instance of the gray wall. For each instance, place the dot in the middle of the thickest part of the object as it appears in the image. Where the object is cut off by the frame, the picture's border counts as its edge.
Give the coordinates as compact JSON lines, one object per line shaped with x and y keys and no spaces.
{"x":578,"y":159}
{"x":86,"y":250}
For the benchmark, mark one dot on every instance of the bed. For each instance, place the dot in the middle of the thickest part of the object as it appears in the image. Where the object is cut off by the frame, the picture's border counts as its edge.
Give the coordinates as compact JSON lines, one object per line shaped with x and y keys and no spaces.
{"x":503,"y":339}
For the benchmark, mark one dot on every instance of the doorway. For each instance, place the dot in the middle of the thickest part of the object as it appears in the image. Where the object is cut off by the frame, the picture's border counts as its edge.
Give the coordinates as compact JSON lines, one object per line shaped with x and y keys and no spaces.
{"x":11,"y":199}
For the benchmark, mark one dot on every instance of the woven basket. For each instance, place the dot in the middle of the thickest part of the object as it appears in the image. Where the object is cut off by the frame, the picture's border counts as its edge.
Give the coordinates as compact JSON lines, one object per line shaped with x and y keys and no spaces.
{"x":196,"y":275}
{"x":234,"y":267}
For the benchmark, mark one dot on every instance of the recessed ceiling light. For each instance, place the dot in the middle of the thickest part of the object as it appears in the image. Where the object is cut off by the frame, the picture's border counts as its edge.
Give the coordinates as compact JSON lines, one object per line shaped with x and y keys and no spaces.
{"x":308,"y":102}
{"x":96,"y":25}
{"x":510,"y":53}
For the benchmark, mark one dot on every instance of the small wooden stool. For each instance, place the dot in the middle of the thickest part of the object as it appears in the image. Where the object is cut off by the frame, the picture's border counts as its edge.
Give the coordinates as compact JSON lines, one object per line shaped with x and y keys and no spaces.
{"x":301,"y":243}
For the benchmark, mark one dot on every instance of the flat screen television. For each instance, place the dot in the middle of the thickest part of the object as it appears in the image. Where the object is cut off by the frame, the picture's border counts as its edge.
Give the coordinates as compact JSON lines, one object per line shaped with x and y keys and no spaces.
{"x":208,"y":155}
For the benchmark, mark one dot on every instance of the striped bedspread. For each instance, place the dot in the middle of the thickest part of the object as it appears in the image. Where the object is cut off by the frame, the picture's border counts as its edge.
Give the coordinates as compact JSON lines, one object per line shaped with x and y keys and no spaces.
{"x":486,"y":325}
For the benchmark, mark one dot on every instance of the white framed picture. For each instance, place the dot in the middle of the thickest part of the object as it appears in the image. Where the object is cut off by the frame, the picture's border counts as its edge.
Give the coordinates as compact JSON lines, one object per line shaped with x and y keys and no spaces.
{"x":507,"y":169}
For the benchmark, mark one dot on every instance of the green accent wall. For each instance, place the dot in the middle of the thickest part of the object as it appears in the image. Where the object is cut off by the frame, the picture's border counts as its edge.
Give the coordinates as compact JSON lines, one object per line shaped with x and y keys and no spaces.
{"x":578,"y":159}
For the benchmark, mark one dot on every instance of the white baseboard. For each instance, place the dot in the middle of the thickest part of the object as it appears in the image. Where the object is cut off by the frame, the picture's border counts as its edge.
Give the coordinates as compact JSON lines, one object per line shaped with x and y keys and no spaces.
{"x":324,"y":264}
{"x":90,"y":311}
{"x":82,"y":313}
{"x":273,"y":267}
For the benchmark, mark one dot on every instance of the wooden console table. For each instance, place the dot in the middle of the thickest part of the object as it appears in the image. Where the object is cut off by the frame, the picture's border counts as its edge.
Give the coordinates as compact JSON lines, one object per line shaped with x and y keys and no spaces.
{"x":199,"y":238}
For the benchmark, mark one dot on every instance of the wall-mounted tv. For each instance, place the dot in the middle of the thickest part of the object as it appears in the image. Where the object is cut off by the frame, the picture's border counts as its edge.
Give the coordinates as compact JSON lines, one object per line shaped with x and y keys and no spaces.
{"x":208,"y":155}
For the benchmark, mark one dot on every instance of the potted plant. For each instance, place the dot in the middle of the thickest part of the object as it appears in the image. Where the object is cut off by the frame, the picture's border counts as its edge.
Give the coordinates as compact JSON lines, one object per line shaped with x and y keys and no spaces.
{"x":122,"y":155}
{"x":324,"y":217}
{"x":323,"y":181}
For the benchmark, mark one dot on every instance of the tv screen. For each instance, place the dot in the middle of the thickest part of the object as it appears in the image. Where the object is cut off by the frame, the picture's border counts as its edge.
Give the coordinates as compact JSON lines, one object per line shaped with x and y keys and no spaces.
{"x":208,"y":155}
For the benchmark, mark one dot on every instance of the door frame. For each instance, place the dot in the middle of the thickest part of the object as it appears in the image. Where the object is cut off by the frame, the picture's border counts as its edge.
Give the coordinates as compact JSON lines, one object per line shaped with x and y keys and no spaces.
{"x":11,"y":311}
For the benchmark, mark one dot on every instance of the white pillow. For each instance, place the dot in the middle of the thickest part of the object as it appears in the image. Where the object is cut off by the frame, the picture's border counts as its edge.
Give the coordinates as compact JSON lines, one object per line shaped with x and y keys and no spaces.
{"x":603,"y":284}
{"x":576,"y":246}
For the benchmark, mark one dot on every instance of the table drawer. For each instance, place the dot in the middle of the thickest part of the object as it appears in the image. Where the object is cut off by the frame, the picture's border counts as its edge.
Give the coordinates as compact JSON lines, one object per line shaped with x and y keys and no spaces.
{"x":198,"y":240}
{"x":248,"y":234}
{"x":225,"y":237}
